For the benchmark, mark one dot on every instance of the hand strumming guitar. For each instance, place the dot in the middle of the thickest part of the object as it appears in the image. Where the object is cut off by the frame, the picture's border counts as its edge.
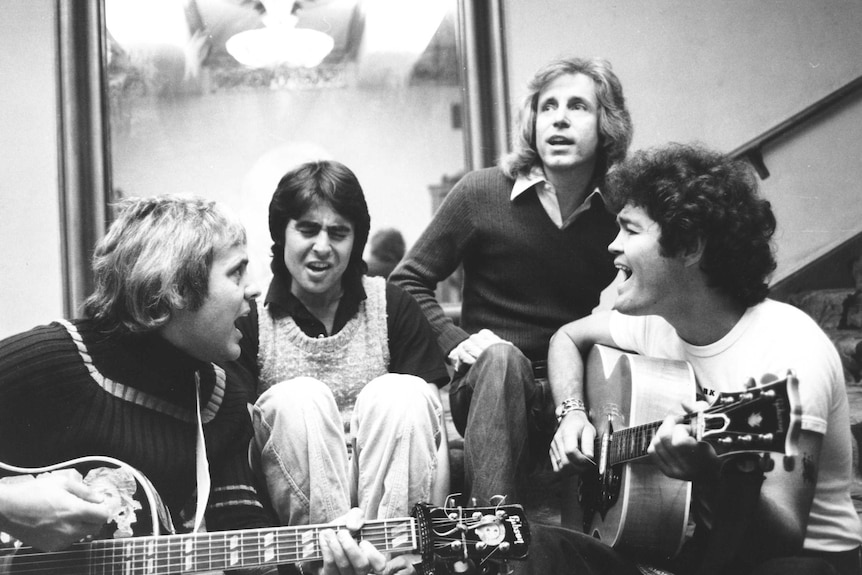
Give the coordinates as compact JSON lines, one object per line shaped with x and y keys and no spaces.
{"x":573,"y":443}
{"x":52,"y":511}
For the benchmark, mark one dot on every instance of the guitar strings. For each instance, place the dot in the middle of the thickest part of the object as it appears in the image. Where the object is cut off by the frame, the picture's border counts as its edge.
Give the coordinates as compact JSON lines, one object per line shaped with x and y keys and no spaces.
{"x":110,"y":553}
{"x":631,"y":442}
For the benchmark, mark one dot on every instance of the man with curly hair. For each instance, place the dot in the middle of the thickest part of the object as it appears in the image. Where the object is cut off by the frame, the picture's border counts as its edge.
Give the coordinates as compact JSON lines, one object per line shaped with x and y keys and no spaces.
{"x":694,"y":249}
{"x":530,"y":236}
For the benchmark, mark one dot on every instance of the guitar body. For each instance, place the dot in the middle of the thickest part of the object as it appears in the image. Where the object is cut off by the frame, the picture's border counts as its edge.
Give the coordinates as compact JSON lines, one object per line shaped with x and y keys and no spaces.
{"x":628,"y":503}
{"x":634,"y":506}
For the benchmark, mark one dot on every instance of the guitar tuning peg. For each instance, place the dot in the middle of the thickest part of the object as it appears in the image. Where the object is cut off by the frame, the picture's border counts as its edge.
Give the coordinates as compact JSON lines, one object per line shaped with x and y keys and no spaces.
{"x":766,"y":463}
{"x":750,"y":383}
{"x":789,"y":463}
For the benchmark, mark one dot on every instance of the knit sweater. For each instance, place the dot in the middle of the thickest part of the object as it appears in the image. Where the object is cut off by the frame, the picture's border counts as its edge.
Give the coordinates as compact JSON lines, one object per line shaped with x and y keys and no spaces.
{"x":345,"y":361}
{"x":523,"y":276}
{"x":69,"y":390}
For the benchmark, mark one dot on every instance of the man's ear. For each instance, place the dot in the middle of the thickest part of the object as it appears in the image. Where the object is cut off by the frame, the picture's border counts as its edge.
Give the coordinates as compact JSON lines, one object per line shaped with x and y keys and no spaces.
{"x":693,"y":254}
{"x":179,"y":301}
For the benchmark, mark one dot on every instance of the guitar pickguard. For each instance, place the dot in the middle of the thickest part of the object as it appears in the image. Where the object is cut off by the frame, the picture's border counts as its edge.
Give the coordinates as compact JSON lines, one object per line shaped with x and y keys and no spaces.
{"x":598,"y":494}
{"x":118,"y":487}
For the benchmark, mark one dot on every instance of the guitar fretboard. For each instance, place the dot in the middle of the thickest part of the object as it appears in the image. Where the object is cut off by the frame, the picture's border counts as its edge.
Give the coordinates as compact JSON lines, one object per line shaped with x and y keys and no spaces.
{"x":631,"y":443}
{"x":217,"y":551}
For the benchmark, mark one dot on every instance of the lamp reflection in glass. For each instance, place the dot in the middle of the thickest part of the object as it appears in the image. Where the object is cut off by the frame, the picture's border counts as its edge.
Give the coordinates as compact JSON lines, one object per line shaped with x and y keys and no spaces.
{"x":280,"y":42}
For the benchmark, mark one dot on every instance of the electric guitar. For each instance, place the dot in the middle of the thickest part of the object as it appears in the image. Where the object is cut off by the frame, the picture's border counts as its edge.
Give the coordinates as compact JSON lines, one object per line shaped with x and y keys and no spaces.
{"x":631,"y":504}
{"x":475,"y":540}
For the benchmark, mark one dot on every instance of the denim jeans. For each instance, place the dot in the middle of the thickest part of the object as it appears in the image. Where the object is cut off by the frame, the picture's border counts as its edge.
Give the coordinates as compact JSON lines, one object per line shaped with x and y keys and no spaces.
{"x":506,"y":417}
{"x":303,"y":458}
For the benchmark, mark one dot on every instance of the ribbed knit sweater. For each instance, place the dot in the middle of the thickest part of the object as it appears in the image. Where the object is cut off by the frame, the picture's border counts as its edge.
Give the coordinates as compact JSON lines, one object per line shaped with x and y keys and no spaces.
{"x":67,"y":390}
{"x":523,"y":276}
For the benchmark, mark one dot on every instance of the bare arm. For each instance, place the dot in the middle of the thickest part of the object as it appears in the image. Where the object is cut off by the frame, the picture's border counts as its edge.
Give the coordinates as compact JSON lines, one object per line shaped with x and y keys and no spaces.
{"x":573,"y":441}
{"x":786,"y":498}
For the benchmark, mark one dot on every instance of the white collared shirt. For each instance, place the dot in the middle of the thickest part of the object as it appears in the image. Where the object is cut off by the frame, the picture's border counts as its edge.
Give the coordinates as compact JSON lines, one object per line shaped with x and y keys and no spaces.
{"x":548,"y":196}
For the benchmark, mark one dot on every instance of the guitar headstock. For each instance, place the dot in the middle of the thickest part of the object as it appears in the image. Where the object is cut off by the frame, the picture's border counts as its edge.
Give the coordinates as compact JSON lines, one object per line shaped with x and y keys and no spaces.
{"x":764,"y":418}
{"x":464,"y":537}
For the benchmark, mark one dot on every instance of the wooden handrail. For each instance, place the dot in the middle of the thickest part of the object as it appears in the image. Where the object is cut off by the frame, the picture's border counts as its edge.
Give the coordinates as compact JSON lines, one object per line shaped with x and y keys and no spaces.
{"x":753,"y":149}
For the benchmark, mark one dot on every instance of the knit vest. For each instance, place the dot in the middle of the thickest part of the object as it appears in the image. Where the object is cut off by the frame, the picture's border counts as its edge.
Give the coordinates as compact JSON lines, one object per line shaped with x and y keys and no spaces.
{"x":345,"y":361}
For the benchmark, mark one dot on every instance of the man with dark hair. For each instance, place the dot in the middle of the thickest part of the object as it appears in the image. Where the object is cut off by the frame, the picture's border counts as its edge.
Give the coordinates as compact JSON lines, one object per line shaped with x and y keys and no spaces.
{"x":529,"y":235}
{"x":694,"y":247}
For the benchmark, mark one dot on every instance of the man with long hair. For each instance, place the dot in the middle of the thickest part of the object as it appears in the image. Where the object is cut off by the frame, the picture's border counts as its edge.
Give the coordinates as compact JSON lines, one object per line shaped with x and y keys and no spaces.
{"x":529,"y":235}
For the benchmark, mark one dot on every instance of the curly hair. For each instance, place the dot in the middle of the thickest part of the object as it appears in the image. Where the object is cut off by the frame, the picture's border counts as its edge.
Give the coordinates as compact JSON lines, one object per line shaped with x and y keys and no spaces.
{"x":155,"y":258}
{"x":615,"y":123}
{"x":698,"y":195}
{"x":309,"y":184}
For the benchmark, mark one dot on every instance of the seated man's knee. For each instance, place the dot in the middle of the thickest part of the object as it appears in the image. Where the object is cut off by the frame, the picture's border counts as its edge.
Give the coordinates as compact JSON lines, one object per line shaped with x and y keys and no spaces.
{"x":503,"y":353}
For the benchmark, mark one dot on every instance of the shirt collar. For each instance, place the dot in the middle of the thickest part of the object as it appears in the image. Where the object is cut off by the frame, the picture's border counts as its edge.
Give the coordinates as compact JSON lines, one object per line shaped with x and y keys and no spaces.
{"x":526,"y":181}
{"x":548,"y":196}
{"x":282,"y":302}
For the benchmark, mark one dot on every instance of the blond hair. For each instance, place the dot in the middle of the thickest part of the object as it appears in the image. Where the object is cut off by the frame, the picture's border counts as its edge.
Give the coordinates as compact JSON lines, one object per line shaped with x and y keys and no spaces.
{"x":156,"y":257}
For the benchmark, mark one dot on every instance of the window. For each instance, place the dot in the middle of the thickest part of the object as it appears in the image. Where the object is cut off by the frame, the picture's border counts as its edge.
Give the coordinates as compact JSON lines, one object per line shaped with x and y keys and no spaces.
{"x":222,"y":97}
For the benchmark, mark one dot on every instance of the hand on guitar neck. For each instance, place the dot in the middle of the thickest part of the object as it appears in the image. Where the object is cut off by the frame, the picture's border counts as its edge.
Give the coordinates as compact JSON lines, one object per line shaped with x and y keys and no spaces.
{"x":343,"y":555}
{"x":674,"y":448}
{"x":676,"y":451}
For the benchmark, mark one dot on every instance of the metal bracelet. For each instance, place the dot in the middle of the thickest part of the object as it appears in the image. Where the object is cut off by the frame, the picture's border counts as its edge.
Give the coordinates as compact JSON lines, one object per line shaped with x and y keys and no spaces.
{"x":569,"y":405}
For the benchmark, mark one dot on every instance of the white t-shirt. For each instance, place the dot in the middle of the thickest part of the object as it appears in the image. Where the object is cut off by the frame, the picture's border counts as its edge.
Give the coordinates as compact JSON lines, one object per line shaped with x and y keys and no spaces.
{"x":770,"y":339}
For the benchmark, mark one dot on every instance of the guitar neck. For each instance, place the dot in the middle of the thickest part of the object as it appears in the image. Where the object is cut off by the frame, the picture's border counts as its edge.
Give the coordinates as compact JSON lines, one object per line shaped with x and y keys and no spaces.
{"x":750,"y":421}
{"x":631,"y":443}
{"x":216,"y":551}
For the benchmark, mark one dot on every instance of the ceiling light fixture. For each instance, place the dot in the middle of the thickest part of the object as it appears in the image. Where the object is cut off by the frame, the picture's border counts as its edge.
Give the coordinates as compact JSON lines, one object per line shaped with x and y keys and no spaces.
{"x":280,"y":42}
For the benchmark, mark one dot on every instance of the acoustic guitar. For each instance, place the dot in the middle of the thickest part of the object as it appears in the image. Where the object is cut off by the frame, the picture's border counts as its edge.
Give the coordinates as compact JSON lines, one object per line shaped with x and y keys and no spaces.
{"x":629,"y":503}
{"x":478,"y":540}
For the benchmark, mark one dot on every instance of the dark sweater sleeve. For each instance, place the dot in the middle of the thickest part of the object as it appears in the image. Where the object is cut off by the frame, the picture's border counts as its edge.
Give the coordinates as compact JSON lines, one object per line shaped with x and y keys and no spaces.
{"x":412,"y":346}
{"x":435,"y":256}
{"x":33,"y":410}
{"x":235,"y":502}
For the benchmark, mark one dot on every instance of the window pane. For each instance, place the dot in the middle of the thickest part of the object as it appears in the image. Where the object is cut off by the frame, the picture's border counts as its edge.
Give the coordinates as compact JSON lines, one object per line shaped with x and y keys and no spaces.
{"x":222,"y":97}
